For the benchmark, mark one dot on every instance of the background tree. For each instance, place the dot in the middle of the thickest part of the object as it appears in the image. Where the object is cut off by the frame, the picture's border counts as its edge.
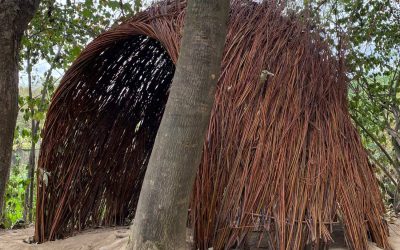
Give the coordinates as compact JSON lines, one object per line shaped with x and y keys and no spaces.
{"x":55,"y":37}
{"x":14,"y":18}
{"x":52,"y":41}
{"x":161,"y":216}
{"x":368,"y":33}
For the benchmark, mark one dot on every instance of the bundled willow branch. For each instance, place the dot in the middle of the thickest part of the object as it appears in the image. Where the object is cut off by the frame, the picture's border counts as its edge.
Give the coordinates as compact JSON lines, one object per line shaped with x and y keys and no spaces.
{"x":281,"y":156}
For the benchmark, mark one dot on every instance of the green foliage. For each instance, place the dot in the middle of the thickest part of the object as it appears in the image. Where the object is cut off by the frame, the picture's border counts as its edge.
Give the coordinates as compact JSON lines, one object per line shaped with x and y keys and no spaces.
{"x":15,"y":194}
{"x":56,"y":36}
{"x":368,"y":34}
{"x":23,"y":135}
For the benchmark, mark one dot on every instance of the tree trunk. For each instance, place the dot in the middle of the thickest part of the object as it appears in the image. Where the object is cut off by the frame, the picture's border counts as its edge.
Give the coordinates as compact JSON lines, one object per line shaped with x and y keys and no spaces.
{"x":14,"y":18}
{"x":395,"y":139}
{"x":27,"y":192}
{"x":35,"y":126}
{"x":28,"y":204}
{"x":32,"y":162}
{"x":161,"y":216}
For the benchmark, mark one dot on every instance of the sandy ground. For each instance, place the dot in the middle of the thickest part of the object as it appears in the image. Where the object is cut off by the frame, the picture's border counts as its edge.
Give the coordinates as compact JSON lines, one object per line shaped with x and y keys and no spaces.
{"x":117,"y":238}
{"x":394,"y":238}
{"x":96,"y":239}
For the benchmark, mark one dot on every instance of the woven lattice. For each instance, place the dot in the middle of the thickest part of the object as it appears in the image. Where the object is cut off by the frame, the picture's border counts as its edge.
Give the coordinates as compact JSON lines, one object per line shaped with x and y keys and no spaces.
{"x":281,"y":155}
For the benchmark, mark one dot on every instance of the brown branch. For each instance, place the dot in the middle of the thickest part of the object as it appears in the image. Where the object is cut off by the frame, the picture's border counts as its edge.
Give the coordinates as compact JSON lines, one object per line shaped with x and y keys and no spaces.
{"x":376,"y":141}
{"x":385,"y":171}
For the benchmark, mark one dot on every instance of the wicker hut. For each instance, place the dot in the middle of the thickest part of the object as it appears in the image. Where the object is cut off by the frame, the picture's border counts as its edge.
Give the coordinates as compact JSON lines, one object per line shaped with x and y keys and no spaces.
{"x":281,"y":157}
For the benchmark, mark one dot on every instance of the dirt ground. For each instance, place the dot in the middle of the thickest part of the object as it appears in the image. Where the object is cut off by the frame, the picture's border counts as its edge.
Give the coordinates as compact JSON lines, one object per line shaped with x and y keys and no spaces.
{"x":117,"y":238}
{"x":96,"y":239}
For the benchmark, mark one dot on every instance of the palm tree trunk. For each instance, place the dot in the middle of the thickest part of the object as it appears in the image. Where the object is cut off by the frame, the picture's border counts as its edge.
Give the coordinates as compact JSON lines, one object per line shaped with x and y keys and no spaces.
{"x":160,"y":221}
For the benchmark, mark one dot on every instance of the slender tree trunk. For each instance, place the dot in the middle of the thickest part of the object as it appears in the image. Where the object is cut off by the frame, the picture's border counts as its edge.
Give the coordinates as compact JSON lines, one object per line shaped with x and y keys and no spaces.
{"x":395,"y":139}
{"x":27,"y":193}
{"x":35,"y":126}
{"x":161,"y":216}
{"x":32,"y":163}
{"x":14,"y":18}
{"x":28,"y":205}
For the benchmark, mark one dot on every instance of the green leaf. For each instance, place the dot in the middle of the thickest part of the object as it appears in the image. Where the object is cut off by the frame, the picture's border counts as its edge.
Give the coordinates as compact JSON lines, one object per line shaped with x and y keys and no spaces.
{"x":86,"y":13}
{"x":38,"y":116}
{"x":113,"y":4}
{"x":75,"y":51}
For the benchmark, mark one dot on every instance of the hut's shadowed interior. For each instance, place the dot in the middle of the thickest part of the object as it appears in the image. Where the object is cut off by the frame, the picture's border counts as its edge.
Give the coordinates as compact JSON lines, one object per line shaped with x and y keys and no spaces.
{"x":117,"y":107}
{"x":281,"y":154}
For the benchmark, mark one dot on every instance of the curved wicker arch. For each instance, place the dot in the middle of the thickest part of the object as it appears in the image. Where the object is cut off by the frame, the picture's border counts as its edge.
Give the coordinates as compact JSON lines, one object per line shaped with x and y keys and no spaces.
{"x":119,"y":101}
{"x":281,"y":154}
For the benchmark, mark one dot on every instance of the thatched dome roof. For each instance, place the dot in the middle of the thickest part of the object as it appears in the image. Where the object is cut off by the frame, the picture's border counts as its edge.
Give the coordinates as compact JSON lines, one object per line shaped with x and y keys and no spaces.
{"x":281,"y":154}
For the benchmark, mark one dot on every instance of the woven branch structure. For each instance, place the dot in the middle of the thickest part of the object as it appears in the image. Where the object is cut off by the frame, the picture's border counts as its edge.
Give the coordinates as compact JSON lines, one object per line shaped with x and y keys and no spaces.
{"x":281,"y":156}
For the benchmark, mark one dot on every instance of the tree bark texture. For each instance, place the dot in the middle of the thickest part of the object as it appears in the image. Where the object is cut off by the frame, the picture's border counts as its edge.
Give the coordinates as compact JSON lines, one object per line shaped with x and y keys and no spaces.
{"x":14,"y":18}
{"x":161,"y":216}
